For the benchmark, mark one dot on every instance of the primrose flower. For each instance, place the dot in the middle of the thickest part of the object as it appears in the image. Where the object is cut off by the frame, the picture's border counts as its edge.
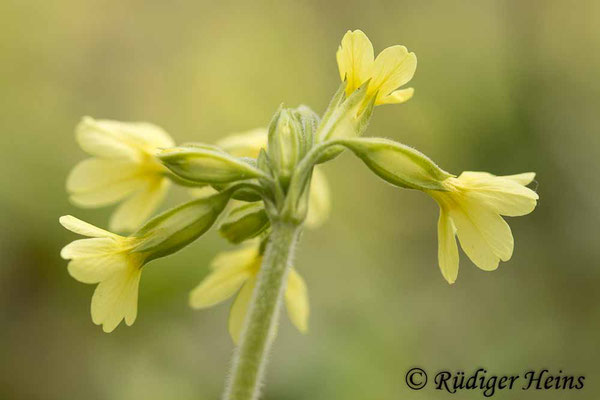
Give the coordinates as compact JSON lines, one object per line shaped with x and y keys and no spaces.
{"x":471,"y":208}
{"x":236,"y":271}
{"x":106,"y":259}
{"x":123,"y":166}
{"x":115,"y":262}
{"x":393,"y":68}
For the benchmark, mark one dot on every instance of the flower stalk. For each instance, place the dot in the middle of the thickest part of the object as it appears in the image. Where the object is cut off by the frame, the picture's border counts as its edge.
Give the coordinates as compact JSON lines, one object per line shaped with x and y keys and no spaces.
{"x":260,"y":324}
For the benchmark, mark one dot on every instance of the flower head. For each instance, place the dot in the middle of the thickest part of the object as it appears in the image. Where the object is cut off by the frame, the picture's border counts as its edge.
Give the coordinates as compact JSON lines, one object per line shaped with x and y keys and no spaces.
{"x":236,"y":271}
{"x":393,"y":68}
{"x":123,"y":166}
{"x":471,"y":208}
{"x":106,"y":259}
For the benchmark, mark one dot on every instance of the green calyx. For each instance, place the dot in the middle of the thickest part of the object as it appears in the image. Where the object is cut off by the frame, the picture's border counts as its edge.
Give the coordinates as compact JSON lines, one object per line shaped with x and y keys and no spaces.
{"x":398,"y":164}
{"x":207,"y":164}
{"x":244,"y":222}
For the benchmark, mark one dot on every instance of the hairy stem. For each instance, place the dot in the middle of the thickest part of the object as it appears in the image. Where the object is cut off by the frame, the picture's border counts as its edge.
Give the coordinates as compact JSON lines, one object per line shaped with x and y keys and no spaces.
{"x":250,"y":357}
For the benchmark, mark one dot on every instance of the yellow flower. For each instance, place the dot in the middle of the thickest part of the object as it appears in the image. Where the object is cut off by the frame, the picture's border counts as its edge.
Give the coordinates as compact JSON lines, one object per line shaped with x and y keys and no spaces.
{"x":115,"y":262}
{"x":105,"y":259}
{"x":472,"y":209}
{"x":123,"y":167}
{"x":393,"y":68}
{"x":236,"y":271}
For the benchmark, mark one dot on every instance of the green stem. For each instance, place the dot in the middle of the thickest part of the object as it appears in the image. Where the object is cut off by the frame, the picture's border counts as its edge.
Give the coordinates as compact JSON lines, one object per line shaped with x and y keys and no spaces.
{"x":250,"y":357}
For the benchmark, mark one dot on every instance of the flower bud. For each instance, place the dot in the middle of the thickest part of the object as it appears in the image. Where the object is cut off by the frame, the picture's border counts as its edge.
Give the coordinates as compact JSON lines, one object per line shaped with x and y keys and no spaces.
{"x":398,"y":164}
{"x":207,"y":164}
{"x":343,"y":117}
{"x":178,"y":227}
{"x":309,"y":121}
{"x":244,"y":222}
{"x":285,"y":144}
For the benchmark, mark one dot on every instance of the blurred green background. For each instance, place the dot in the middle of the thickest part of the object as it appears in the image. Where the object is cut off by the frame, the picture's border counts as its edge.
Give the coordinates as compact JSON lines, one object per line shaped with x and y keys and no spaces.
{"x":501,"y":86}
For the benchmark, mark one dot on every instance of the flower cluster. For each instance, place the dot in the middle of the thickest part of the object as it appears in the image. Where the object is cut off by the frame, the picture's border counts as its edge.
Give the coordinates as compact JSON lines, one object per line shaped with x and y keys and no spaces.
{"x":259,"y":178}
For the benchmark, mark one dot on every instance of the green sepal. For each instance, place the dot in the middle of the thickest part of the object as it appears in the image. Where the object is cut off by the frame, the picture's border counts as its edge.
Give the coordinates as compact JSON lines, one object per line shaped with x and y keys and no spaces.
{"x":208,"y":165}
{"x":285,"y":144}
{"x":309,"y":122}
{"x":244,"y":222}
{"x":243,"y":194}
{"x":176,"y":228}
{"x":346,"y":120}
{"x":398,"y":164}
{"x":335,"y":101}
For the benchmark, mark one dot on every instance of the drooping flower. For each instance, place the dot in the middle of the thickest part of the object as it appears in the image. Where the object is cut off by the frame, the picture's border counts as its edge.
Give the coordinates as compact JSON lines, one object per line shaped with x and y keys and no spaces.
{"x":106,"y":259}
{"x":472,"y":208}
{"x":115,"y":262}
{"x":394,"y":67}
{"x":123,"y":166}
{"x":236,"y":271}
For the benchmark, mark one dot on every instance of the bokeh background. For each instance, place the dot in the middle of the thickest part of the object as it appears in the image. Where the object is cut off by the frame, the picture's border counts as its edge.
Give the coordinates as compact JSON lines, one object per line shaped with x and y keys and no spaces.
{"x":502,"y":86}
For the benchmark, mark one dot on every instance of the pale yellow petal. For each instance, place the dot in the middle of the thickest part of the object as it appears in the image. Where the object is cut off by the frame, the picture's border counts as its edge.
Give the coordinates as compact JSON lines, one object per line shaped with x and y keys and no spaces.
{"x":393,"y":68}
{"x":130,"y":300}
{"x":475,"y":176}
{"x":96,"y":172}
{"x":355,"y":59}
{"x":106,"y":195}
{"x":319,"y":200}
{"x":447,"y":248}
{"x":296,"y":301}
{"x":524,"y":179}
{"x":492,"y":227}
{"x":507,"y":203}
{"x":239,"y":309}
{"x":397,"y":97}
{"x":116,"y":298}
{"x":115,"y":139}
{"x":97,"y":182}
{"x":247,"y":144}
{"x":100,"y":139}
{"x":89,"y":248}
{"x":505,"y":196}
{"x":138,"y":208}
{"x":220,"y":284}
{"x":83,"y":228}
{"x":484,"y":235}
{"x":202,"y":192}
{"x":99,"y":268}
{"x":242,"y":256}
{"x":149,"y":136}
